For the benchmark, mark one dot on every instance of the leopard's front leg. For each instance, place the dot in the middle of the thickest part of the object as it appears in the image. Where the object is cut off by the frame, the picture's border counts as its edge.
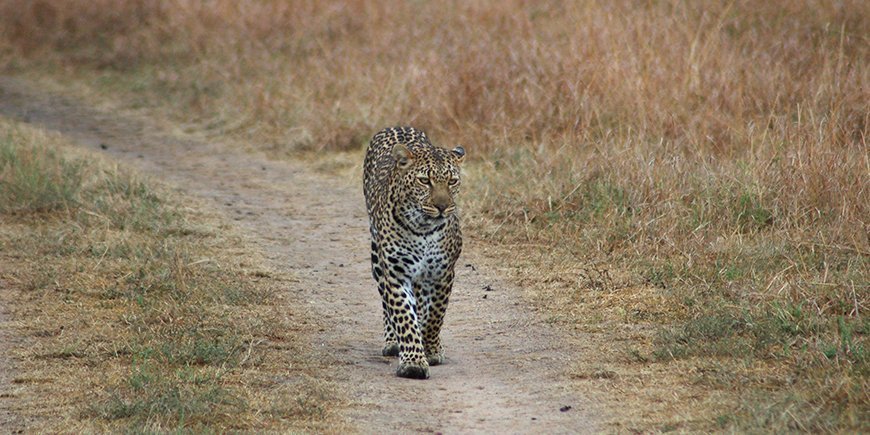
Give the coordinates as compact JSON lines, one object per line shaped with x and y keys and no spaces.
{"x":402,"y":311}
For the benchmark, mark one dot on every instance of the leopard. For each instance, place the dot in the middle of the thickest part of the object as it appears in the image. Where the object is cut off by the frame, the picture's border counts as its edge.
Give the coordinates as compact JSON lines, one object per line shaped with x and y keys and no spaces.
{"x":410,"y":188}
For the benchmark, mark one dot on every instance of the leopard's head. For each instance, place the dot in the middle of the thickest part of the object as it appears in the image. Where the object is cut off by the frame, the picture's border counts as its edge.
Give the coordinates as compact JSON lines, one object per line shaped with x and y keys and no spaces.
{"x":428,"y":179}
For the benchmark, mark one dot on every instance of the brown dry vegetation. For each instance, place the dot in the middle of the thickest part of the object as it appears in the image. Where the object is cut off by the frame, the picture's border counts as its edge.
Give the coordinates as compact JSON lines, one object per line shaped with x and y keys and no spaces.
{"x":714,"y":151}
{"x":129,"y":310}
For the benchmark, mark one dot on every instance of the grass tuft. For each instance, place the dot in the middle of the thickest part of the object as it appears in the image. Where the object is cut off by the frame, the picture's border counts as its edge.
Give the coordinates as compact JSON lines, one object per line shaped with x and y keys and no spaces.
{"x":38,"y":181}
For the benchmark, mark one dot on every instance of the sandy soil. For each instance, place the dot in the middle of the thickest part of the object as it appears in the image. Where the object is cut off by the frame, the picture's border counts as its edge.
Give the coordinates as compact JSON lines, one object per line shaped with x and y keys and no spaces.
{"x":505,"y":369}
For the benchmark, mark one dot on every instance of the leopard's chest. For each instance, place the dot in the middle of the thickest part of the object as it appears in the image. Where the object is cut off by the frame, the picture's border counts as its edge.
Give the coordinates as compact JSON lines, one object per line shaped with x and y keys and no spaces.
{"x":423,"y":258}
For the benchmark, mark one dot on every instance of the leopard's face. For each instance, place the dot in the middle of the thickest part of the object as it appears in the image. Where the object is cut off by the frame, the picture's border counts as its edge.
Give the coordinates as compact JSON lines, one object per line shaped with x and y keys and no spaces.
{"x":430,"y":183}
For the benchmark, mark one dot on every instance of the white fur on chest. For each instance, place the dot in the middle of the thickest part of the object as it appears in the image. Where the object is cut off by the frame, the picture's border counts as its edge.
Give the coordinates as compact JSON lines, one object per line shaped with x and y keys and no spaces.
{"x":430,"y":255}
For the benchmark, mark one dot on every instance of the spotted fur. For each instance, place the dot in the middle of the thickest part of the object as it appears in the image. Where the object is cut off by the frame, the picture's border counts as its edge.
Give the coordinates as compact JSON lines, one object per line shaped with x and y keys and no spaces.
{"x":410,"y":186}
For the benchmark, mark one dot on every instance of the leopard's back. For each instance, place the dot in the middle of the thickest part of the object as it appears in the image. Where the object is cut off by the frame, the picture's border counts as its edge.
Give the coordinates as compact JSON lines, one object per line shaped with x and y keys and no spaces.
{"x":379,"y":161}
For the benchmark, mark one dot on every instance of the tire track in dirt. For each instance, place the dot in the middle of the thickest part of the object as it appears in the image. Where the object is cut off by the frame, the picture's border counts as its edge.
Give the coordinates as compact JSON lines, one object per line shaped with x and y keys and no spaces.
{"x":504,"y":370}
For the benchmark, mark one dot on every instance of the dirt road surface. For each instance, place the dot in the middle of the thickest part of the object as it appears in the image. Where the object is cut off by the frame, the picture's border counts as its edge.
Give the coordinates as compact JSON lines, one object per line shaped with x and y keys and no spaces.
{"x":505,"y":368}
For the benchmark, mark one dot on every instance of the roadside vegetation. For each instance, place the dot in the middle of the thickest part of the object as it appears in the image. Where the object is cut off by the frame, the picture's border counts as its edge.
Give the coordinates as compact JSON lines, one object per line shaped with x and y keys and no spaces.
{"x":698,"y":168}
{"x":129,"y":311}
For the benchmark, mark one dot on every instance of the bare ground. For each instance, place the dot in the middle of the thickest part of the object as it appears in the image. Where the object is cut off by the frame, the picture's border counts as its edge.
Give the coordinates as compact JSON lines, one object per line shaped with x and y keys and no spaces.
{"x":506,"y":369}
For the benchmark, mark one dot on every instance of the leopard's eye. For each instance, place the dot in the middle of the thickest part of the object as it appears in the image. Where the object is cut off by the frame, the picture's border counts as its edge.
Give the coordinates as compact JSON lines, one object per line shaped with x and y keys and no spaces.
{"x":454,"y":181}
{"x":422,"y":179}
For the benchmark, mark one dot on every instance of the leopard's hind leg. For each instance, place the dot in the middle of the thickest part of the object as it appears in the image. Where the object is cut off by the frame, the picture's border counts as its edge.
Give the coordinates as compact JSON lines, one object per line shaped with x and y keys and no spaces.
{"x":440,"y":296}
{"x":391,"y":345}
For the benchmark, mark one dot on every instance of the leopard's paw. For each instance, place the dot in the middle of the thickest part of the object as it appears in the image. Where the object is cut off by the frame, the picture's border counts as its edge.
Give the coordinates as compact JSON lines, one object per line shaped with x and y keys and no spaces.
{"x":390,"y":349}
{"x":413,"y":371}
{"x":435,"y":358}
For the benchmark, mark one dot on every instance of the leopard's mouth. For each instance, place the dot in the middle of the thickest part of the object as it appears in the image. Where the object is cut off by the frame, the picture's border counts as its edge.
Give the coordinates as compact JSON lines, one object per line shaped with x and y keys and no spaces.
{"x":436,"y":214}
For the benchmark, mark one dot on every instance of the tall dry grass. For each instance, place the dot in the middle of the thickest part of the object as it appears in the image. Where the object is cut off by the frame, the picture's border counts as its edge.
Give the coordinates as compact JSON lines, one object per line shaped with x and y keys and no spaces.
{"x":651,"y":95}
{"x":717,"y":150}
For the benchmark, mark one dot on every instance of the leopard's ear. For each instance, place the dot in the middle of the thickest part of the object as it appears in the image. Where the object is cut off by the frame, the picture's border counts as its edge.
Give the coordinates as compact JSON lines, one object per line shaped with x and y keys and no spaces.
{"x":403,"y":156}
{"x":459,"y":152}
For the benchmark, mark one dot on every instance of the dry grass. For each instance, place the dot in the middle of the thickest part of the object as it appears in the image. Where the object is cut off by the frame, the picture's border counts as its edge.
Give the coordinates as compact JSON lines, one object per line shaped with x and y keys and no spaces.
{"x":715,"y":151}
{"x":130,"y":312}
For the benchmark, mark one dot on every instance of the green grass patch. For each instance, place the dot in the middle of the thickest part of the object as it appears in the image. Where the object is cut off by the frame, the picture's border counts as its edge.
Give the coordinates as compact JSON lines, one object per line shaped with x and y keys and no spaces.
{"x":36,"y":180}
{"x":822,"y":360}
{"x":188,"y":397}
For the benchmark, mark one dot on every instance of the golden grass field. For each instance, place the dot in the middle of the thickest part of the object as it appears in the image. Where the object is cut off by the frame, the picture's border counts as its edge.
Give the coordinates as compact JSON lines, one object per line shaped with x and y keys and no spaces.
{"x":711,"y":154}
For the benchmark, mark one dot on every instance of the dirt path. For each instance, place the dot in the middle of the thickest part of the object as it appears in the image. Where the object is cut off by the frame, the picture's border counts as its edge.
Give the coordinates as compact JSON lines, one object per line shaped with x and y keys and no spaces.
{"x":505,"y":368}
